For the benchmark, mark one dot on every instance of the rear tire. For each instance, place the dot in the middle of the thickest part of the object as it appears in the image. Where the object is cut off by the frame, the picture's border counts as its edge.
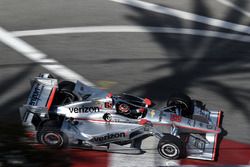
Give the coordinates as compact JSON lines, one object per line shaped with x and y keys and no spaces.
{"x":67,"y":86}
{"x":171,"y":147}
{"x":183,"y":102}
{"x":65,"y":93}
{"x":51,"y":135}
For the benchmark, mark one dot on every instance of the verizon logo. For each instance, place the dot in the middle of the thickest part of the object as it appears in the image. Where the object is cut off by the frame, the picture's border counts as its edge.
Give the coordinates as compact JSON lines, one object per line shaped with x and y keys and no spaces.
{"x":84,"y":109}
{"x":109,"y":136}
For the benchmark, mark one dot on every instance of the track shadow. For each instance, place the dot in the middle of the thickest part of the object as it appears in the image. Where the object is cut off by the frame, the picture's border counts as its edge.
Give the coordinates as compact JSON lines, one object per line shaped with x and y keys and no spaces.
{"x":197,"y":61}
{"x":208,"y":63}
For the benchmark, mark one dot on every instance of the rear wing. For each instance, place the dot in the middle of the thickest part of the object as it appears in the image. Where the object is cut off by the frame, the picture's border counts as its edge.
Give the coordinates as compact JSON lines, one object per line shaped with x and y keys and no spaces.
{"x":41,"y":96}
{"x":42,"y":92}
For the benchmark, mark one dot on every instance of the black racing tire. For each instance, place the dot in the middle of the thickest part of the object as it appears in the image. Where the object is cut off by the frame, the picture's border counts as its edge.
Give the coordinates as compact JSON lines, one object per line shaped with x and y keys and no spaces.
{"x":171,"y":147}
{"x":50,"y":135}
{"x":182,"y":101}
{"x":65,"y":92}
{"x":67,"y":86}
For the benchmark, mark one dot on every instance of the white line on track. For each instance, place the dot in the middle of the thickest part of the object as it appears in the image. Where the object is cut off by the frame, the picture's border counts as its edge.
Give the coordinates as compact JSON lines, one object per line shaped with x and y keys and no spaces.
{"x":185,"y":15}
{"x":239,"y":9}
{"x":144,"y":29}
{"x":37,"y":56}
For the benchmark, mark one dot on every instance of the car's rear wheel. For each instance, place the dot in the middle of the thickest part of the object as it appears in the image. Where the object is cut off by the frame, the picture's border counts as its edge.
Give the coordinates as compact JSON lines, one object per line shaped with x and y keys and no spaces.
{"x":171,"y":147}
{"x":183,"y":102}
{"x":50,"y":135}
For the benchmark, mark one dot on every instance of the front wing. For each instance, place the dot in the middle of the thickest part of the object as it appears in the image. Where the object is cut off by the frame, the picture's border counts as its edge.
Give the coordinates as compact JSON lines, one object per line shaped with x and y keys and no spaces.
{"x":198,"y":148}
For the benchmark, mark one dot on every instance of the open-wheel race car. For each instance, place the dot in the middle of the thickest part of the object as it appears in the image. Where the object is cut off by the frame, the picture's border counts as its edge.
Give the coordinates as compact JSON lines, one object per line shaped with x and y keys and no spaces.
{"x":74,"y":114}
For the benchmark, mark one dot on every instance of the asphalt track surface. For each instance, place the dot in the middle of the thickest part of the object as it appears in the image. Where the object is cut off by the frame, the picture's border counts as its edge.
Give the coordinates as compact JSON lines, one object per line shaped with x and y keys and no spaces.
{"x":214,"y":70}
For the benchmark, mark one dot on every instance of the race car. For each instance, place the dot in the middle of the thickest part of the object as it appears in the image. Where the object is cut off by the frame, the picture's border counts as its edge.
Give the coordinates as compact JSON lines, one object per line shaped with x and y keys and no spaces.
{"x":73,"y":114}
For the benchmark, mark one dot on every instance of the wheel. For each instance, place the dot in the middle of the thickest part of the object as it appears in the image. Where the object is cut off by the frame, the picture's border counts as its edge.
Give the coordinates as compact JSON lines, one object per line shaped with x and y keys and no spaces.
{"x":50,"y":135}
{"x":67,"y":86}
{"x":183,"y":102}
{"x":171,"y":147}
{"x":65,"y":93}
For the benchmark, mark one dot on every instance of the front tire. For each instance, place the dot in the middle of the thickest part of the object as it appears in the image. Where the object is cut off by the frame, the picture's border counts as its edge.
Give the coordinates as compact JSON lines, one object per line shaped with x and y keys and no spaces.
{"x":50,"y":135}
{"x":171,"y":147}
{"x":183,"y":102}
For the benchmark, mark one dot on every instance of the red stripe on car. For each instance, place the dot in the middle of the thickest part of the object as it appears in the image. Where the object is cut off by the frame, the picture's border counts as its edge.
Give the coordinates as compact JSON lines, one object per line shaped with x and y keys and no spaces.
{"x":52,"y":95}
{"x":216,"y":136}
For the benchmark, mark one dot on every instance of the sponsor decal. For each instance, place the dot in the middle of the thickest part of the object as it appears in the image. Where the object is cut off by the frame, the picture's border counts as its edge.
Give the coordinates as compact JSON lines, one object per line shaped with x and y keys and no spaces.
{"x":108,"y":105}
{"x":109,"y":136}
{"x":36,"y":95}
{"x":204,"y":114}
{"x":190,"y":122}
{"x":175,"y":118}
{"x":84,"y":109}
{"x":201,"y":124}
{"x":196,"y":142}
{"x":152,"y":113}
{"x":210,"y":126}
{"x":162,"y":114}
{"x":123,"y":121}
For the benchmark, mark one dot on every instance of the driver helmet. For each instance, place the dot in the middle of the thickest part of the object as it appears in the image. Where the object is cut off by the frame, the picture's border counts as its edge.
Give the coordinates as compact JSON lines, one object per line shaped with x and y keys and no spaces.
{"x":124,"y":108}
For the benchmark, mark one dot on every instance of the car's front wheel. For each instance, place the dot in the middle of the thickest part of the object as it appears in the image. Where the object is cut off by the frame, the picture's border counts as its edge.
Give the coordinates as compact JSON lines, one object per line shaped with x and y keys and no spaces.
{"x":182,"y":102}
{"x":171,"y":147}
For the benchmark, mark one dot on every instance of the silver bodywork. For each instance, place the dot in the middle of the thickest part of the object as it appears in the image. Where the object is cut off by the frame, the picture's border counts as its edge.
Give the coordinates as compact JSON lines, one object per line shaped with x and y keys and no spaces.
{"x":90,"y":127}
